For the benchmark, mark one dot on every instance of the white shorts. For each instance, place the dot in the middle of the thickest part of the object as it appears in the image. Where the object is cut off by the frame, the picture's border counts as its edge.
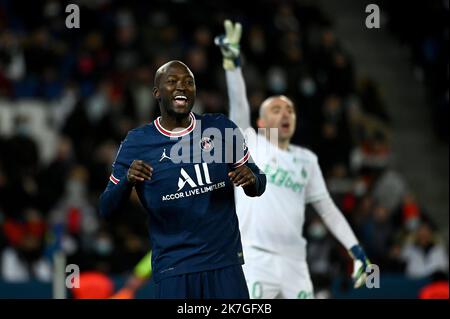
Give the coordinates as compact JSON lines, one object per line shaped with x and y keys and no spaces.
{"x":271,"y":276}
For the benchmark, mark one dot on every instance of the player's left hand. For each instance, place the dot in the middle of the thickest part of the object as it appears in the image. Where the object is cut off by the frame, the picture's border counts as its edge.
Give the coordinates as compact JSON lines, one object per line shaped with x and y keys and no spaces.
{"x":242,"y":176}
{"x":229,"y":44}
{"x":360,"y":263}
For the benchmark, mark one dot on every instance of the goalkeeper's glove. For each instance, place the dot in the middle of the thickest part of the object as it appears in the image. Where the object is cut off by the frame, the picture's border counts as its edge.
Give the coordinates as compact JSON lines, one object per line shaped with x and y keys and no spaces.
{"x":360,"y":263}
{"x":229,"y":44}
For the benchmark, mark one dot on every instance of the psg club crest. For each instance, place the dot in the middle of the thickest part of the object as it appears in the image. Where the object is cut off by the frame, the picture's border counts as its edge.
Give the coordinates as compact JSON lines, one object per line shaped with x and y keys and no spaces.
{"x":206,"y":144}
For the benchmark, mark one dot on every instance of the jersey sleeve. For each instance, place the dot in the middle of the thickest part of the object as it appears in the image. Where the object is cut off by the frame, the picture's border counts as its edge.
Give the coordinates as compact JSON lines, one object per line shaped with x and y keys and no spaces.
{"x":316,"y":188}
{"x":241,"y":155}
{"x":336,"y":222}
{"x":237,"y":95}
{"x":236,"y":148}
{"x":118,"y":188}
{"x":122,"y":162}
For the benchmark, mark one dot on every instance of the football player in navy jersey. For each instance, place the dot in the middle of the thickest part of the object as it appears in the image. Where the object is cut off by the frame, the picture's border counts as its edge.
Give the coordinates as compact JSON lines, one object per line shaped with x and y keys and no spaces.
{"x":196,"y":244}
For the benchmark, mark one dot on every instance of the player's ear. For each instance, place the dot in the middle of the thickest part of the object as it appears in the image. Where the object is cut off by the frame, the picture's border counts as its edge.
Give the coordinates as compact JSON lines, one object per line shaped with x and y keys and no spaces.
{"x":156,"y":93}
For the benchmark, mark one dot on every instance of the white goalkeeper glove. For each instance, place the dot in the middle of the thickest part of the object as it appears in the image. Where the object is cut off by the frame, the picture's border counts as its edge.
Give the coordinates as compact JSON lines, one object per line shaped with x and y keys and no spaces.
{"x":229,"y":44}
{"x":360,"y":263}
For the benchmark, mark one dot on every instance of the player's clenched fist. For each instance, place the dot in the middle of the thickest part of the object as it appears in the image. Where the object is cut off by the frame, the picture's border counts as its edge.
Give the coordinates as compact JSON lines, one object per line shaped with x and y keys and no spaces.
{"x":242,"y":176}
{"x":139,"y":172}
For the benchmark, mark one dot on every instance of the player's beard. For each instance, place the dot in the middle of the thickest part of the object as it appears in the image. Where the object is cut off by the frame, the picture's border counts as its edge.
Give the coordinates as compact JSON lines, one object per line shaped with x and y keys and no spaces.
{"x":178,"y":115}
{"x":168,"y":107}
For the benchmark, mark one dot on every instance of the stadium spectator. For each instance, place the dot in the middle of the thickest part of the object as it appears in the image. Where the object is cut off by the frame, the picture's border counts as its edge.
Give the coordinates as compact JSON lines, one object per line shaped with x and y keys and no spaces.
{"x":425,"y":254}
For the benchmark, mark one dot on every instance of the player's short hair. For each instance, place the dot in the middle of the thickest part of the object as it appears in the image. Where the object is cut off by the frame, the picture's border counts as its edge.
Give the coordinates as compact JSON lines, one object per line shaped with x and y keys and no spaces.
{"x":163,"y":69}
{"x":270,"y":99}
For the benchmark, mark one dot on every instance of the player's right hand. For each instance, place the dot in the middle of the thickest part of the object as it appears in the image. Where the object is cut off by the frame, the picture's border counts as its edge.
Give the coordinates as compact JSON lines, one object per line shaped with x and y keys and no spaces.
{"x":139,"y":171}
{"x":242,"y":176}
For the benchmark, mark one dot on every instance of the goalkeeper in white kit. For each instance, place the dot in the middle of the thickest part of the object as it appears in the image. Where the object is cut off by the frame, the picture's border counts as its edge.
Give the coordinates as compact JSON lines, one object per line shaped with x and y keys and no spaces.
{"x":271,"y":225}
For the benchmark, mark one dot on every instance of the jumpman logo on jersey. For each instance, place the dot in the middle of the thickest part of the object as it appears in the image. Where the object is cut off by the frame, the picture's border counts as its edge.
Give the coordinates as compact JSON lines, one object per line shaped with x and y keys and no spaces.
{"x":163,"y":156}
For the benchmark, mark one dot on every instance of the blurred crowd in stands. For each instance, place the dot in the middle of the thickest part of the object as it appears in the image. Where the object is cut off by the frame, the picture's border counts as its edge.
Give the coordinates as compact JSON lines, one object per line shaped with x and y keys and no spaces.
{"x":423,"y":28}
{"x":95,"y":83}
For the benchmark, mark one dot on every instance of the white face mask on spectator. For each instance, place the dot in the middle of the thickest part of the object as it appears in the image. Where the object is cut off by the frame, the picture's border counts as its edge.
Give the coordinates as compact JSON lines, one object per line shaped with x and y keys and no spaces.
{"x":103,"y":246}
{"x":317,"y":231}
{"x":307,"y":87}
{"x":360,"y":188}
{"x":75,"y":189}
{"x":23,"y":129}
{"x":412,"y":223}
{"x":277,"y":80}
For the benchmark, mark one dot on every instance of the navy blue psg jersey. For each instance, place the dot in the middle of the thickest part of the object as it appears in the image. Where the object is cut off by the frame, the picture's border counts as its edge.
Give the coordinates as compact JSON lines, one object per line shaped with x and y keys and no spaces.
{"x":190,"y":198}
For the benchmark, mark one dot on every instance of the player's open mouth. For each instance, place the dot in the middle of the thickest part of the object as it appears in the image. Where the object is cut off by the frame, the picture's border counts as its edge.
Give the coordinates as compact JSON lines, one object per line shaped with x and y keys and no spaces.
{"x":180,"y":100}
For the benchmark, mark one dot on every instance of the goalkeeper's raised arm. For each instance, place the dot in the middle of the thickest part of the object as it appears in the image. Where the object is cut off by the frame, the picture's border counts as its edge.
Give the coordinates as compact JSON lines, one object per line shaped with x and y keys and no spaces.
{"x":237,"y":94}
{"x":265,"y":225}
